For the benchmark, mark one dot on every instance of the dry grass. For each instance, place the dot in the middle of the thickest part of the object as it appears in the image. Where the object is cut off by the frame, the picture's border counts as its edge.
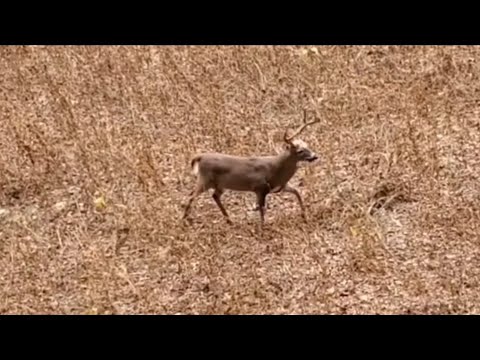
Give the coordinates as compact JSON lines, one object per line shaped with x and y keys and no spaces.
{"x":394,"y":223}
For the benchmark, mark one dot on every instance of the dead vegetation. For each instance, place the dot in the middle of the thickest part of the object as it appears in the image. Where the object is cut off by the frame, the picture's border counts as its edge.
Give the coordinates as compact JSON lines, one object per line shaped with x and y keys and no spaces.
{"x":95,"y":145}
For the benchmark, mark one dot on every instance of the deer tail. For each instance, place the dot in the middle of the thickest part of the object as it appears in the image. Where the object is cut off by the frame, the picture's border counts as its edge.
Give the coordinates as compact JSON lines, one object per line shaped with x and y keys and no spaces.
{"x":194,"y":164}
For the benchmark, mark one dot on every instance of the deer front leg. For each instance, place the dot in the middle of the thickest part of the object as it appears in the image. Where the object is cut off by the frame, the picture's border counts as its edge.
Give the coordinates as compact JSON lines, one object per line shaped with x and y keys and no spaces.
{"x":295,"y":192}
{"x":216,"y":196}
{"x":270,"y":191}
{"x":262,"y":193}
{"x":257,"y":208}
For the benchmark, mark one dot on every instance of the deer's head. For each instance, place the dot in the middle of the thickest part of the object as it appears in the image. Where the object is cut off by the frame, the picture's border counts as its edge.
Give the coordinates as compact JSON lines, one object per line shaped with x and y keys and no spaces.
{"x":297,"y":147}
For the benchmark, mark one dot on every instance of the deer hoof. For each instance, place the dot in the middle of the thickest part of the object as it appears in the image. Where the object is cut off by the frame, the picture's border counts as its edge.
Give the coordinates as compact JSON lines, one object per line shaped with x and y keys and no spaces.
{"x":261,"y":230}
{"x":187,"y":220}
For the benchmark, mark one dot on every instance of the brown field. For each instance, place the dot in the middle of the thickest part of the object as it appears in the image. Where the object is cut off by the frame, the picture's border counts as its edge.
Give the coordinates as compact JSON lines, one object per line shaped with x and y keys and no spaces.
{"x":95,"y":144}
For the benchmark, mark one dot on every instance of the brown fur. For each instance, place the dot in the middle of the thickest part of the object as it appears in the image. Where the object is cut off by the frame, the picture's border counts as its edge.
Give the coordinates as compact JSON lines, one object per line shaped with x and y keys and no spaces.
{"x":259,"y":174}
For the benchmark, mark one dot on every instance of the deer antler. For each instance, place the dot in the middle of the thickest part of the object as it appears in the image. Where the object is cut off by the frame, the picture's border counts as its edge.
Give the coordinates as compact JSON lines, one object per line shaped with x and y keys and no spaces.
{"x":288,"y":139}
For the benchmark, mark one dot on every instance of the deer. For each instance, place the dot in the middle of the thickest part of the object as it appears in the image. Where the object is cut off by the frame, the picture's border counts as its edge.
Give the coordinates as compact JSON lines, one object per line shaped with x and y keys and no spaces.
{"x":262,"y":175}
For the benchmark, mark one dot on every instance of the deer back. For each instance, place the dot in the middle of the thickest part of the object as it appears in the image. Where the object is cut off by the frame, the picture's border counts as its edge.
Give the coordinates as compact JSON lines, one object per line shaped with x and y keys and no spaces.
{"x":234,"y":172}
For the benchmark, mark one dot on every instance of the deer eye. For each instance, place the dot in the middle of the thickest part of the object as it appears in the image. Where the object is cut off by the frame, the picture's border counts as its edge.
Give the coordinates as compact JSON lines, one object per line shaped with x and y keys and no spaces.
{"x":300,"y":151}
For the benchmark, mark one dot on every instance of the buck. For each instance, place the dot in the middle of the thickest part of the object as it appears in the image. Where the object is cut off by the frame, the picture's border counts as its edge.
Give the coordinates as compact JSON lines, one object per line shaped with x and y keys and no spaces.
{"x":262,"y":175}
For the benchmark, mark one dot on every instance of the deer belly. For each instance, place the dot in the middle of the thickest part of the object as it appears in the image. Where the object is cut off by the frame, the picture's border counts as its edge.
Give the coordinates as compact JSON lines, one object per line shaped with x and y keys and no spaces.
{"x":276,"y":189}
{"x":240,"y":182}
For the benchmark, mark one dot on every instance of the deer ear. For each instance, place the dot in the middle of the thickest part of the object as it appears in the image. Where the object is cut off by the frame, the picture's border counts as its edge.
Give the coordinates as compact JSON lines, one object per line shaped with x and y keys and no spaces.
{"x":289,"y":147}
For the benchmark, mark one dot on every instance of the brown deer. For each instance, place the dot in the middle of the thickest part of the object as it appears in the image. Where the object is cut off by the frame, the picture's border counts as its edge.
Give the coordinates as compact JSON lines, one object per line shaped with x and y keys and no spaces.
{"x":260,"y":174}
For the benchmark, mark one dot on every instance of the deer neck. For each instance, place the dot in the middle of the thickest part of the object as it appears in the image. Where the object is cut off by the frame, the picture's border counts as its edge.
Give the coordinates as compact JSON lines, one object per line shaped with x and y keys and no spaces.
{"x":284,"y":169}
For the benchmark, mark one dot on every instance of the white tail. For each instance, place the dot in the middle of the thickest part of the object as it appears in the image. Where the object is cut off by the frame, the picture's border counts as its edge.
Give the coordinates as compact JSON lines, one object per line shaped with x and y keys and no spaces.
{"x":195,"y":165}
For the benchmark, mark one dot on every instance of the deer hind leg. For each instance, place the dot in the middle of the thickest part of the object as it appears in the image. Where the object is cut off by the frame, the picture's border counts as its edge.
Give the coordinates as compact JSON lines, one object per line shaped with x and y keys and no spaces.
{"x":216,"y":196}
{"x":199,"y":189}
{"x":292,"y":190}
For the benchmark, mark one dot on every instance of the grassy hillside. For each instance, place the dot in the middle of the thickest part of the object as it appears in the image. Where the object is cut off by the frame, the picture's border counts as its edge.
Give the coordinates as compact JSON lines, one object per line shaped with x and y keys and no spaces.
{"x":95,"y":144}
